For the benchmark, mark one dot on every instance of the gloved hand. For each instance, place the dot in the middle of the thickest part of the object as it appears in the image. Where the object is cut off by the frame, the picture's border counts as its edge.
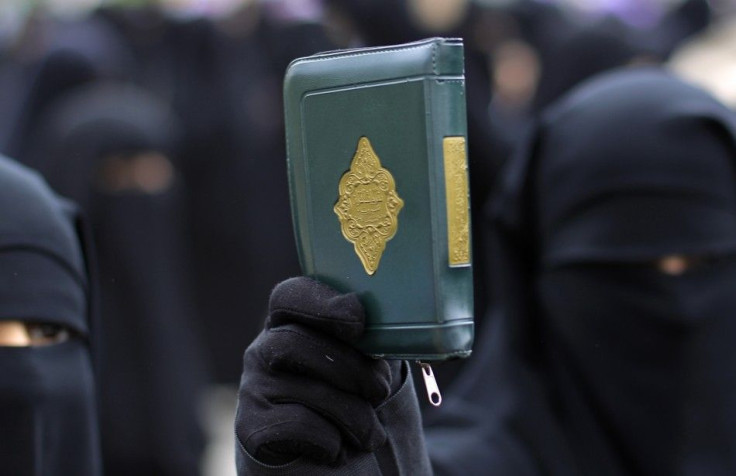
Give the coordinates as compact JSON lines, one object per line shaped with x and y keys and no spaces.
{"x":304,"y":389}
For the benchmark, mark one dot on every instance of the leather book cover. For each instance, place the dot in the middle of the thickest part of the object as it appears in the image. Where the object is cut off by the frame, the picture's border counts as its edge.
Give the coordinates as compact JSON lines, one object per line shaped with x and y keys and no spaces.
{"x":376,"y":141}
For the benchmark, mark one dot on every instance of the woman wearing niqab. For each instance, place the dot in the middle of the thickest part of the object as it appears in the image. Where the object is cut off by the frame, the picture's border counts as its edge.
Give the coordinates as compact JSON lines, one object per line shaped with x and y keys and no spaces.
{"x":611,"y":351}
{"x":112,"y":149}
{"x":48,"y":414}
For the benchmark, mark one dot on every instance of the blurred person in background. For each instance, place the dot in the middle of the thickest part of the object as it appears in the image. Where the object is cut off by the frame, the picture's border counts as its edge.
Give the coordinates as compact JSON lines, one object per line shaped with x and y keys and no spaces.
{"x":237,"y":180}
{"x":48,"y":344}
{"x":50,"y":57}
{"x":588,"y":46}
{"x":610,"y":347}
{"x":585,"y":53}
{"x":112,"y":148}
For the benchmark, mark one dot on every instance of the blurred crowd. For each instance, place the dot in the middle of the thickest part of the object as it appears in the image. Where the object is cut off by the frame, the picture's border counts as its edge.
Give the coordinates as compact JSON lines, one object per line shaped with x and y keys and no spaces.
{"x":163,"y":121}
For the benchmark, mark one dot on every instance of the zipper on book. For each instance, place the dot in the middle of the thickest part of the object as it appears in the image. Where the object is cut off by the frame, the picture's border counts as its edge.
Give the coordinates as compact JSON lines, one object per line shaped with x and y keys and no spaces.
{"x":433,"y":391}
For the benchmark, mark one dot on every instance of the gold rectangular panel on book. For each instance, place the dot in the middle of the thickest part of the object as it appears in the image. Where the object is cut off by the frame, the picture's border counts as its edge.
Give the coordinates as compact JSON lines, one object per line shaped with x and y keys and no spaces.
{"x":376,"y":142}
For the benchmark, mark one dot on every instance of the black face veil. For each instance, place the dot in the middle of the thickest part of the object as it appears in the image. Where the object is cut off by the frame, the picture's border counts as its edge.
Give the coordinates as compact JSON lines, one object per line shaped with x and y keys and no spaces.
{"x":48,"y":414}
{"x":596,"y":361}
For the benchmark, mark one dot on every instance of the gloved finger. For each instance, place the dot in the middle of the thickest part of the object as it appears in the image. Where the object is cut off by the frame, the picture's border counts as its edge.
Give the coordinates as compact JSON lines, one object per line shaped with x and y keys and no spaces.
{"x":302,"y":351}
{"x":286,"y":430}
{"x":303,"y":300}
{"x":353,"y":416}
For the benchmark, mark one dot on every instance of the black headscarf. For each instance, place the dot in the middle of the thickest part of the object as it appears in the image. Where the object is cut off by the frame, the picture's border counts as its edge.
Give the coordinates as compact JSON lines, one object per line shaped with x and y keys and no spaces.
{"x":48,"y":412}
{"x":596,"y":362}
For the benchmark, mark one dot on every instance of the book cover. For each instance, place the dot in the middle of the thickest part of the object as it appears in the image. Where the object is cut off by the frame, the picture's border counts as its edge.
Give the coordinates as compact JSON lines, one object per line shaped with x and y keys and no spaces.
{"x":376,"y":149}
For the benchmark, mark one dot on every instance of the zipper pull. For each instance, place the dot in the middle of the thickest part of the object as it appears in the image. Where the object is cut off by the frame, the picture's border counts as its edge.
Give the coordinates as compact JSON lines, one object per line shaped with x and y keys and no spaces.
{"x":433,"y":391}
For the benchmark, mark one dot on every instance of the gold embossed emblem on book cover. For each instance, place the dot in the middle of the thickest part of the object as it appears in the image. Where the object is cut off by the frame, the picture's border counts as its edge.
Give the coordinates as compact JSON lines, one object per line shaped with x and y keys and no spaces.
{"x":368,"y":206}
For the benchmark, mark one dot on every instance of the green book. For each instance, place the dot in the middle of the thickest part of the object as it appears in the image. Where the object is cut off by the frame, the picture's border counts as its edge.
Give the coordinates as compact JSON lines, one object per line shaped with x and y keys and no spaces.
{"x":376,"y":141}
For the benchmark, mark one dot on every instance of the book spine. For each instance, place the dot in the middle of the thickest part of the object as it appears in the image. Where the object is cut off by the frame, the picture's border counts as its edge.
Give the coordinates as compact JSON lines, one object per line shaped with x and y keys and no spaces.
{"x":447,"y":136}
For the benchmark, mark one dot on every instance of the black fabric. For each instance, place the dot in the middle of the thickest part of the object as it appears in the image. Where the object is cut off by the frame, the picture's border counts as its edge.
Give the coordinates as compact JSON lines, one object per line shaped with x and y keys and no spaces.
{"x":61,"y":303}
{"x":582,"y":49}
{"x":680,"y":22}
{"x":53,"y":57}
{"x":634,"y":173}
{"x":404,"y":454}
{"x":305,"y":390}
{"x":596,"y":361}
{"x":12,"y":81}
{"x":48,"y":411}
{"x":57,"y":73}
{"x":152,"y":364}
{"x":238,"y":192}
{"x":582,"y":53}
{"x":661,"y":184}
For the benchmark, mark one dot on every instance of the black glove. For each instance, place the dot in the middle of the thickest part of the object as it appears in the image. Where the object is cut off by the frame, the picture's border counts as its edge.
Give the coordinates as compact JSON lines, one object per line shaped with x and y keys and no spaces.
{"x":304,"y":389}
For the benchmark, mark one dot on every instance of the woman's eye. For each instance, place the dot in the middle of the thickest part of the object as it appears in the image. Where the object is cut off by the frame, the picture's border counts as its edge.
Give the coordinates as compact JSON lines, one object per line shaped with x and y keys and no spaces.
{"x":676,"y":265}
{"x":46,"y":333}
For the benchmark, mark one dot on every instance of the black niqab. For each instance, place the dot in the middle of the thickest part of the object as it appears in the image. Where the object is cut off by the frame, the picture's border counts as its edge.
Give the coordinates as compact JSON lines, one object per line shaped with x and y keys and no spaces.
{"x":48,"y":413}
{"x":597,"y":362}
